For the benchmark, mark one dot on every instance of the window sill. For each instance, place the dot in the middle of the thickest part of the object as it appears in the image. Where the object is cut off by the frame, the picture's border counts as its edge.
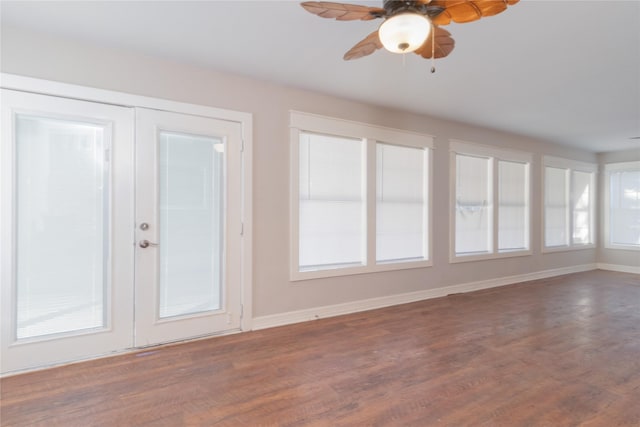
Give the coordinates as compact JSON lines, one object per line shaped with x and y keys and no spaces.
{"x":623,"y":247}
{"x":553,"y":249}
{"x":296,"y":276}
{"x":455,"y":259}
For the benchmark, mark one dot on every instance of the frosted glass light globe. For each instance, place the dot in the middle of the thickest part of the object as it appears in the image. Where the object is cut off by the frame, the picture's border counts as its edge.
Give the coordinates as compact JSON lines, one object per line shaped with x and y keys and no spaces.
{"x":404,"y":32}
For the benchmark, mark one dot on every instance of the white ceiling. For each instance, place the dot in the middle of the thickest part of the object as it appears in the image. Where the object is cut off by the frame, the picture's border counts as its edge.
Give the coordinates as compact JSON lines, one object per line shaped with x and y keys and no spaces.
{"x":562,"y":71}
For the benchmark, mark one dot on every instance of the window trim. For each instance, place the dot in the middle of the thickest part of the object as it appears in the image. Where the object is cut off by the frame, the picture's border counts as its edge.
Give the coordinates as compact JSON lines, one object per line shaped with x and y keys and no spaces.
{"x":571,"y":166}
{"x":608,"y":168}
{"x":494,"y":154}
{"x":370,"y":135}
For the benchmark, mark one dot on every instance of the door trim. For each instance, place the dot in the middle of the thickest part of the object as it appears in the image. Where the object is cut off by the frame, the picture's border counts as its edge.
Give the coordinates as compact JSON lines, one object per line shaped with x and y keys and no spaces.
{"x":245,"y":119}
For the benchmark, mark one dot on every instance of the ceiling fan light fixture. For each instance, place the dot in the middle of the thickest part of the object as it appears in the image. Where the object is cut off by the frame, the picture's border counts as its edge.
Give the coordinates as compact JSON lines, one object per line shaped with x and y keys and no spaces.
{"x":404,"y":32}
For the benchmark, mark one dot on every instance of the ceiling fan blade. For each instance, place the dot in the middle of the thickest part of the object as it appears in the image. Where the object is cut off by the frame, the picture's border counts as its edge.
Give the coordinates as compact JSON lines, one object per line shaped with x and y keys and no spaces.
{"x":443,"y":47}
{"x":343,"y":11}
{"x":462,"y":11}
{"x":365,"y":47}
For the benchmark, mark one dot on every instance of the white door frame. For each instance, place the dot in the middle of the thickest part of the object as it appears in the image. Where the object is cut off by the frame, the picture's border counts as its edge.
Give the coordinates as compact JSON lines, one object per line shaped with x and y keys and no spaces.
{"x":46,"y":87}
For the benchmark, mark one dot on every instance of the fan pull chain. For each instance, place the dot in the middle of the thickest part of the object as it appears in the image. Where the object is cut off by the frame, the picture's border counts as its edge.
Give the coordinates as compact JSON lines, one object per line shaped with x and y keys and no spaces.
{"x":433,"y":48}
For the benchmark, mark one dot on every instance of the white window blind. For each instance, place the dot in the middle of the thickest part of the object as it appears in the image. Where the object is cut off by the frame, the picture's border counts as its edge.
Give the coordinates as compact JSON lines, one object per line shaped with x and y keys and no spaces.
{"x":491,"y":209}
{"x":569,"y":203}
{"x":401,"y":206}
{"x":581,"y":189}
{"x":473,"y":205}
{"x":556,"y":207}
{"x":359,"y":198}
{"x":331,"y":209}
{"x":513,"y":209}
{"x":62,"y":244}
{"x":623,"y":205}
{"x":191,"y":202}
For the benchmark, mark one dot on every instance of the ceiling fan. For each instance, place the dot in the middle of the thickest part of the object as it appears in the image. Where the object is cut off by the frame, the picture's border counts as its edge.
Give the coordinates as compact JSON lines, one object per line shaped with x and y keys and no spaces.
{"x":409,"y":26}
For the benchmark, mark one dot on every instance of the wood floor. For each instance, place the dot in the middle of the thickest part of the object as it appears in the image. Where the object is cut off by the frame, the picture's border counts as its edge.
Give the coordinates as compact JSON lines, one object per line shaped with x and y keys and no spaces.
{"x":557,"y":352}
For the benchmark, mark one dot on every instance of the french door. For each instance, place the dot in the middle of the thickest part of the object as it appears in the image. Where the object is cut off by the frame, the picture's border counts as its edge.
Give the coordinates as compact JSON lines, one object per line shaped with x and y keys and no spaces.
{"x":120,"y":228}
{"x":187,"y":215}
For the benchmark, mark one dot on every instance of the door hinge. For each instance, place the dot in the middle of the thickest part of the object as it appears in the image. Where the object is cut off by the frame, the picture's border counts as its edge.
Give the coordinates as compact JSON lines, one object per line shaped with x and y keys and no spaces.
{"x":242,"y":311}
{"x":242,"y":146}
{"x":242,"y":228}
{"x":107,"y":155}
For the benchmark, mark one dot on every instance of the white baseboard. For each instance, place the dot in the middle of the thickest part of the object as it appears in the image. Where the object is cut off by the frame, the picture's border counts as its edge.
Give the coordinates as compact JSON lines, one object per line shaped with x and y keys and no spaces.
{"x":620,"y":268}
{"x":270,"y":321}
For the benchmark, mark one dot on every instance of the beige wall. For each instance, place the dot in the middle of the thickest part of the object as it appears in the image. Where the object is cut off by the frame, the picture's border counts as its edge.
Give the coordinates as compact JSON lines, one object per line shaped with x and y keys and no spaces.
{"x":69,"y":61}
{"x":615,"y":256}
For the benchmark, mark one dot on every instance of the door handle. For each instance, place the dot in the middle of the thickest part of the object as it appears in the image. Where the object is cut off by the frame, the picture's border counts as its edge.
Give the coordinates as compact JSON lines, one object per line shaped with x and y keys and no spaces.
{"x":145,"y":243}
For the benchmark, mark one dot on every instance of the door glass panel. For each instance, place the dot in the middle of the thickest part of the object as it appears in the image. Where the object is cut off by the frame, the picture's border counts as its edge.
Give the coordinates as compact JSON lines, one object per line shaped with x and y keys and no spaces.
{"x":62,"y":226}
{"x":191,"y":223}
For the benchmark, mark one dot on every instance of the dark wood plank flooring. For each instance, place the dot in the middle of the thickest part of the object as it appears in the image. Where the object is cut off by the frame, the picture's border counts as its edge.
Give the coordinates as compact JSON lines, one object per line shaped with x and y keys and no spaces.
{"x":563,"y":351}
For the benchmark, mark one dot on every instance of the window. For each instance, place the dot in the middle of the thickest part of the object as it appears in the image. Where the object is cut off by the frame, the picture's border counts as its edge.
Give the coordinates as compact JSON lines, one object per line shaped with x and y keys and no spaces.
{"x":569,"y":194}
{"x":556,"y":207}
{"x":490,"y":202}
{"x":582,"y":186}
{"x":622,"y":205}
{"x":473,"y":205}
{"x":513,"y":206}
{"x":401,"y":184}
{"x":332,"y":202}
{"x":359,"y":198}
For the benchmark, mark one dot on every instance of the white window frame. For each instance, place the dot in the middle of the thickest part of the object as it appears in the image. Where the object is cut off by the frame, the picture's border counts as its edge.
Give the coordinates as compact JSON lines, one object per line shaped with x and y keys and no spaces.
{"x":571,"y":166}
{"x":608,"y":168}
{"x":494,"y":154}
{"x":370,"y":135}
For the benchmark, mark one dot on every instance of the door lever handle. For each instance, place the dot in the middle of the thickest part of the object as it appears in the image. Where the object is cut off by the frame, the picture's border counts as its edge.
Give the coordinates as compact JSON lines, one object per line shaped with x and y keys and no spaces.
{"x":145,"y":243}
